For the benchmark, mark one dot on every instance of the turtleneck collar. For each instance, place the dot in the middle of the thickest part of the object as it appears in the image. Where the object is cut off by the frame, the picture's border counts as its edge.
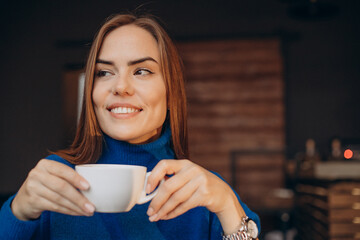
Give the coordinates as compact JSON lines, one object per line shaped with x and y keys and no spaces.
{"x":149,"y":154}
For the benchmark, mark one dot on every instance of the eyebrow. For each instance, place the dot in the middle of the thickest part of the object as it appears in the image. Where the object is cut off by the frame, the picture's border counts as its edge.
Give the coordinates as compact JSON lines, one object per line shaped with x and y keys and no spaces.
{"x":130,"y":63}
{"x":104,"y":62}
{"x":140,"y":60}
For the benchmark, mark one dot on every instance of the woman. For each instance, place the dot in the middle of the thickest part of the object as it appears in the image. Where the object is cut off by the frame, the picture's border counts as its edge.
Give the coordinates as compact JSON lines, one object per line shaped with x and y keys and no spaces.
{"x":134,"y":112}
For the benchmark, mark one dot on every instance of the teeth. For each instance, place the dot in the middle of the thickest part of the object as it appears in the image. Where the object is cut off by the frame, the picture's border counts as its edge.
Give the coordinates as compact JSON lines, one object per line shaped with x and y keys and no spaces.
{"x":124,"y":110}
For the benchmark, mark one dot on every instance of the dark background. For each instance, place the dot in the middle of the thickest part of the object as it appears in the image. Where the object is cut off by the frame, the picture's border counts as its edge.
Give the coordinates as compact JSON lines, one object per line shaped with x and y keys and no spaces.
{"x":41,"y":39}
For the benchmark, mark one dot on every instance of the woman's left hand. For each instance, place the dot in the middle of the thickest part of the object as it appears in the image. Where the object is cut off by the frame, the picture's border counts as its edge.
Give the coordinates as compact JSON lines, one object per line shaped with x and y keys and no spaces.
{"x":191,"y":186}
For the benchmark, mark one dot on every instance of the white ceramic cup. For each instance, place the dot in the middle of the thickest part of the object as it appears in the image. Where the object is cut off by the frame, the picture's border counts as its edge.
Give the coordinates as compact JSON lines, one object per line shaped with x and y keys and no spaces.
{"x":115,"y":187}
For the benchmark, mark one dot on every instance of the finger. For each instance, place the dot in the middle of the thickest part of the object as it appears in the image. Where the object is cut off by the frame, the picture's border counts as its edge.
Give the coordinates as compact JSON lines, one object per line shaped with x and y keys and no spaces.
{"x":54,"y":197}
{"x":54,"y":207}
{"x":183,"y":207}
{"x":170,"y":186}
{"x":163,"y":168}
{"x":65,"y":172}
{"x":176,"y":199}
{"x":67,"y":191}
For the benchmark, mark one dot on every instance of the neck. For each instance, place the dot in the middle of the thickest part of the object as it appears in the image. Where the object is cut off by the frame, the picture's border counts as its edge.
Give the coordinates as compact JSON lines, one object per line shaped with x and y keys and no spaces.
{"x":146,"y":154}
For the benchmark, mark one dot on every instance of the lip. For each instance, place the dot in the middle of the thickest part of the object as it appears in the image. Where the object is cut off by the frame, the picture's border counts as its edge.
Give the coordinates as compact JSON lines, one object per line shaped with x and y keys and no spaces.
{"x":126,"y":105}
{"x":123,"y":115}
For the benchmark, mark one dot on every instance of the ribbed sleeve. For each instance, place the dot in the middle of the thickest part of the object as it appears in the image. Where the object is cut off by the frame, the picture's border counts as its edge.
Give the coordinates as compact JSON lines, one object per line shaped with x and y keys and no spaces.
{"x":13,"y":228}
{"x":252,"y":215}
{"x":196,"y":224}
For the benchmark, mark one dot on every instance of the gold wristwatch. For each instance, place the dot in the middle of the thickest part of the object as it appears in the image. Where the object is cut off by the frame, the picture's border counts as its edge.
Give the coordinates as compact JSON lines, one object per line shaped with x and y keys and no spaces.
{"x":248,"y":231}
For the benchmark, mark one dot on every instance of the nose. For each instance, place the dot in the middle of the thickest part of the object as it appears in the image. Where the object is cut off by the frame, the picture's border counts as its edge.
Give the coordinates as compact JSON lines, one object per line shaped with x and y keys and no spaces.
{"x":123,"y":86}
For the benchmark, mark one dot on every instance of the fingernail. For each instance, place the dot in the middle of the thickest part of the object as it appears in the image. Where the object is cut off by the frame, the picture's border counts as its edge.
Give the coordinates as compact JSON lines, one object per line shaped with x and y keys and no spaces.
{"x":90,"y":208}
{"x":148,"y":188}
{"x":150,"y":211}
{"x":153,"y":218}
{"x":84,"y":184}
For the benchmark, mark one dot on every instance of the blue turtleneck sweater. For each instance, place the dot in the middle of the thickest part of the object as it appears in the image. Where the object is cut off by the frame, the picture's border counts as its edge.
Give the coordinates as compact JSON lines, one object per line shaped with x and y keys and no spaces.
{"x":197,"y":223}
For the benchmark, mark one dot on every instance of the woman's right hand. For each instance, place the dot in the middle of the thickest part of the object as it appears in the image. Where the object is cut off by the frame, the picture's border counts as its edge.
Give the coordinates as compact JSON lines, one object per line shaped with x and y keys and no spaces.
{"x":51,"y":186}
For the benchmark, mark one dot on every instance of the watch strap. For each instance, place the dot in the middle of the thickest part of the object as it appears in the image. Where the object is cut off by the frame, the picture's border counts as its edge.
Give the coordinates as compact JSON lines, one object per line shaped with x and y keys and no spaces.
{"x":242,"y":233}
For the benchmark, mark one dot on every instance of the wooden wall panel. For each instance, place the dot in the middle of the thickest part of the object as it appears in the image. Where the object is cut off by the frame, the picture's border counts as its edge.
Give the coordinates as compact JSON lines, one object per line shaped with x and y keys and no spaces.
{"x":236,"y":103}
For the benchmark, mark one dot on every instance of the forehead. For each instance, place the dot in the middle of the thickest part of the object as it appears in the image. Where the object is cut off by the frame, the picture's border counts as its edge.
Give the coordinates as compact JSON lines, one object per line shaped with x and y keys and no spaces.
{"x":129,"y":42}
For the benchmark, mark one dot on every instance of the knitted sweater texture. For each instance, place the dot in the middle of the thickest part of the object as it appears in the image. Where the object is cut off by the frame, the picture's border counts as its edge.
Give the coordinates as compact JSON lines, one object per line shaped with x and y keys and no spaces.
{"x":197,"y":223}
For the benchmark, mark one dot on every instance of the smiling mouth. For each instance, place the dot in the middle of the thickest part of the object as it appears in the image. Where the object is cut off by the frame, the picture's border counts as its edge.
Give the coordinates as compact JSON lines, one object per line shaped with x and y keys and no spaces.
{"x":124,"y":110}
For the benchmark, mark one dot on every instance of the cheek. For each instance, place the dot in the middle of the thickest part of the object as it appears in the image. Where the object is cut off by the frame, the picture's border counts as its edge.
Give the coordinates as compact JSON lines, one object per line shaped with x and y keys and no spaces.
{"x":158,"y":99}
{"x":153,"y":93}
{"x":96,"y":96}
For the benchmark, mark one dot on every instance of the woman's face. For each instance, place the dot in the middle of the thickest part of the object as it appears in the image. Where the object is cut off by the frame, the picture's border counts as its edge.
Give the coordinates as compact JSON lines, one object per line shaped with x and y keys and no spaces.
{"x":129,"y":92}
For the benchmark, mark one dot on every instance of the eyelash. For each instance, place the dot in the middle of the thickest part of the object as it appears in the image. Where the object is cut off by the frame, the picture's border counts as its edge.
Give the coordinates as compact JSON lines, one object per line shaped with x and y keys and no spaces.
{"x":143,"y":69}
{"x":102,"y":73}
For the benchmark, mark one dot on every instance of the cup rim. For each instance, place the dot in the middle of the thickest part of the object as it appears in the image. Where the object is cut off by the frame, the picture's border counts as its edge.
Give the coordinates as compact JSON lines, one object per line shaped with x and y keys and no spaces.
{"x":112,"y":166}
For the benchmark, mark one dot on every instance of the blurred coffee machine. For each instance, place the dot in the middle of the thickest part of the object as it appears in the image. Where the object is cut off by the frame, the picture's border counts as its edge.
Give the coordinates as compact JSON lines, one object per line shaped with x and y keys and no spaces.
{"x":306,"y":161}
{"x":337,"y":153}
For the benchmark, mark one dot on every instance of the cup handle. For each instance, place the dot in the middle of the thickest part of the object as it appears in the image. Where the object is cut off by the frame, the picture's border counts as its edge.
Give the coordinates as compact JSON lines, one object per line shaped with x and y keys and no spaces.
{"x":145,"y":198}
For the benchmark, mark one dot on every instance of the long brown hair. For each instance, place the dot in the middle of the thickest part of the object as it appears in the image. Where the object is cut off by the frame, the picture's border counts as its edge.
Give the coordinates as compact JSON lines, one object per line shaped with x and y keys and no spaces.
{"x":87,"y":144}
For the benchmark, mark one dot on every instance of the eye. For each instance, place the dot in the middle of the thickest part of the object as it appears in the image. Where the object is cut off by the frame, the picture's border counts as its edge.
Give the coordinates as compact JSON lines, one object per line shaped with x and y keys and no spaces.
{"x":143,"y":72}
{"x":103,"y":73}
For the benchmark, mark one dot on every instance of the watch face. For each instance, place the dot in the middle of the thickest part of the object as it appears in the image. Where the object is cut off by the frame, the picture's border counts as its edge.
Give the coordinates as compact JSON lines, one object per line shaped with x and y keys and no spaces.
{"x":252,"y":229}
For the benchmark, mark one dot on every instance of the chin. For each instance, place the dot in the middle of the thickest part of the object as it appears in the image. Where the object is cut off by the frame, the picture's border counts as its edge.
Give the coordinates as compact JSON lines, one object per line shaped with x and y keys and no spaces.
{"x":122,"y":136}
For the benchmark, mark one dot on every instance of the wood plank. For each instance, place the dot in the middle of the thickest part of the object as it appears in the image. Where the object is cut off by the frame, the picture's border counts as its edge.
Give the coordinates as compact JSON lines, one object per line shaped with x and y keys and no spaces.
{"x":268,"y":178}
{"x":237,"y":84}
{"x":224,"y":138}
{"x":341,"y":229}
{"x":352,"y":188}
{"x":350,"y":237}
{"x":230,"y":45}
{"x":235,"y":102}
{"x":250,"y":130}
{"x":233,"y":122}
{"x":339,"y":215}
{"x":342,"y":200}
{"x":230,"y":56}
{"x":257,"y":109}
{"x":237,"y":89}
{"x":241,"y":144}
{"x":255,"y":192}
{"x":256,"y":95}
{"x":259,"y":162}
{"x":222,"y":70}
